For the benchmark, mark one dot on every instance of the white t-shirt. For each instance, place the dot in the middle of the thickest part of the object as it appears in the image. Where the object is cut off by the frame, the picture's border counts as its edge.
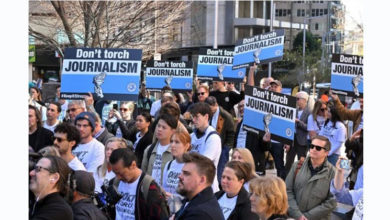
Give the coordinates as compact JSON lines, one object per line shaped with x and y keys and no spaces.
{"x":90,"y":154}
{"x":76,"y":164}
{"x":99,"y":181}
{"x":156,"y":170}
{"x":155,"y":107}
{"x":313,"y":126}
{"x":241,"y":138}
{"x":227,"y":205}
{"x":171,"y":176}
{"x":118,"y":132}
{"x":336,"y":136}
{"x":211,"y":149}
{"x":52,"y":127}
{"x":125,"y":208}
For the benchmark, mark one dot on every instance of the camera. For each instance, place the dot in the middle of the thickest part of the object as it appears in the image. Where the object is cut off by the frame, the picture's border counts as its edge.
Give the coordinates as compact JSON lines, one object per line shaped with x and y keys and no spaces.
{"x":115,"y":106}
{"x":106,"y":200}
{"x":345,"y":164}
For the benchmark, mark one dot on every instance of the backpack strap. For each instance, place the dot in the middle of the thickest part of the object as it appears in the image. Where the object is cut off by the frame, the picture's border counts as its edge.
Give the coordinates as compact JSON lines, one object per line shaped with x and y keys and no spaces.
{"x":150,"y":150}
{"x":169,"y":164}
{"x":212,"y":132}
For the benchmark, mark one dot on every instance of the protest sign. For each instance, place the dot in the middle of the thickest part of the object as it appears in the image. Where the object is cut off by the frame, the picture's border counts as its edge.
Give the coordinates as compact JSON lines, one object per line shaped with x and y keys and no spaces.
{"x":176,"y":74}
{"x":110,"y":74}
{"x":216,"y":64}
{"x":259,"y":49}
{"x":266,"y":110}
{"x":347,"y":75}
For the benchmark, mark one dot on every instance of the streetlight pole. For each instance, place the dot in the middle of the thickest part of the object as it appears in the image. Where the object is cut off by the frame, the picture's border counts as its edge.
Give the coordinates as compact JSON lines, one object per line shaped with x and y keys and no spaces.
{"x":271,"y":29}
{"x":215,"y":45}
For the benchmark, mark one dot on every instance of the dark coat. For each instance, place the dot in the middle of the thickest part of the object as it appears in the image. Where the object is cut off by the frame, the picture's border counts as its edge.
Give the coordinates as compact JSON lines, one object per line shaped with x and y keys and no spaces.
{"x":52,"y":206}
{"x":243,"y":206}
{"x":41,"y":138}
{"x":127,"y":128}
{"x":145,"y":141}
{"x":225,"y":128}
{"x":301,"y":127}
{"x":104,"y":136}
{"x":203,"y":206}
{"x":84,"y":209}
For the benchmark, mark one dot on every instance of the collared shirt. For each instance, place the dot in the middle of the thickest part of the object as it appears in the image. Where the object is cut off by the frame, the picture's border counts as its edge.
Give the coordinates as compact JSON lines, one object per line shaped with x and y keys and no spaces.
{"x":313,"y":170}
{"x":100,"y":132}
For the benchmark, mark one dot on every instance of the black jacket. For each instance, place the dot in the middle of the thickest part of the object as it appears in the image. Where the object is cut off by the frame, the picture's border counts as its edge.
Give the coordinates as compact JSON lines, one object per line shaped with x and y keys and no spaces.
{"x":41,"y":138}
{"x":225,"y":128}
{"x":127,"y":128}
{"x":145,"y":141}
{"x":203,"y":206}
{"x":84,"y":209}
{"x":243,"y":206}
{"x":52,"y":206}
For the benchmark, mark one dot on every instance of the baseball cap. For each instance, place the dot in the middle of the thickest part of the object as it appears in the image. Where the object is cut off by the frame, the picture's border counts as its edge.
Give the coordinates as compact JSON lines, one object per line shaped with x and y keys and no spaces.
{"x":85,"y":182}
{"x":277,"y":82}
{"x":87,"y":116}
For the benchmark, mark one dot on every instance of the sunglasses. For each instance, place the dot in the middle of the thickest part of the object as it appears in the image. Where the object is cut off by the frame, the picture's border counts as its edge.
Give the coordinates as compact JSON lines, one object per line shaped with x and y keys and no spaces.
{"x":318,"y":148}
{"x":71,"y":110}
{"x":200,"y":93}
{"x":39,"y":168}
{"x":323,"y":109}
{"x":59,"y":140}
{"x":124,"y":109}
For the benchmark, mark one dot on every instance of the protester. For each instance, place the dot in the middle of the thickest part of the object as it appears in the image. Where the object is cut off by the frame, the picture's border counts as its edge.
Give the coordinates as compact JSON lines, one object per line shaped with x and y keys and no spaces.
{"x":100,"y":132}
{"x":245,"y":156}
{"x":156,"y":105}
{"x":103,"y":174}
{"x":124,"y":124}
{"x":75,"y":107}
{"x":335,"y":131}
{"x":39,"y":137}
{"x":223,"y":123}
{"x":63,"y":102}
{"x":36,"y":101}
{"x":82,"y":187}
{"x":159,"y":153}
{"x":233,"y":198}
{"x":180,"y":144}
{"x":299,"y":148}
{"x":90,"y":151}
{"x":52,"y":113}
{"x":339,"y":188}
{"x":252,"y":142}
{"x":195,"y":181}
{"x":48,"y":183}
{"x":144,"y":102}
{"x":205,"y":140}
{"x":308,"y":184}
{"x":269,"y":198}
{"x":354,"y":152}
{"x":133,"y":184}
{"x":226,"y":99}
{"x":144,"y":137}
{"x":66,"y":137}
{"x":317,"y":119}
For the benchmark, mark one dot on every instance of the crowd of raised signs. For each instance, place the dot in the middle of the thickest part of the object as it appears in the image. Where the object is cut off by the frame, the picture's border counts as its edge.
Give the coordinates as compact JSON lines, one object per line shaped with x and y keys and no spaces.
{"x":188,"y":156}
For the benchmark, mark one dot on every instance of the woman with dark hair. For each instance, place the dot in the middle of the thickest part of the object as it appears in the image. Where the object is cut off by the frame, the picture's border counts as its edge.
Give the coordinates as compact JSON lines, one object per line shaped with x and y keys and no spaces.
{"x":39,"y":137}
{"x":317,"y":119}
{"x":143,"y":137}
{"x":335,"y":131}
{"x":233,"y":198}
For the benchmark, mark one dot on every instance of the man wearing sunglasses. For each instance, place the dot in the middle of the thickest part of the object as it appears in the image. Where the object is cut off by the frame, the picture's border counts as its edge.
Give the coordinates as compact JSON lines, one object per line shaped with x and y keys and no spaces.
{"x":66,"y":137}
{"x":48,"y":183}
{"x":75,"y":107}
{"x":308,"y":184}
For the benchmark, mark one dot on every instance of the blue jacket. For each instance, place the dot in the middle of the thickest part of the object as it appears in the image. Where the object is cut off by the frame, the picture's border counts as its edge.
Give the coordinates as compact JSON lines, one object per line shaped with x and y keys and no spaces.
{"x":203,"y":206}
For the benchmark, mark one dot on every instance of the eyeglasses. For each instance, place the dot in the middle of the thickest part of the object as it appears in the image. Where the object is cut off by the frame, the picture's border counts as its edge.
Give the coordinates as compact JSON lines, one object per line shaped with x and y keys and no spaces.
{"x":59,"y":140}
{"x":51,"y":109}
{"x":318,"y":148}
{"x":124,"y":109}
{"x":200,"y":93}
{"x":39,"y":168}
{"x":71,"y":110}
{"x":240,"y":106}
{"x":323,"y":109}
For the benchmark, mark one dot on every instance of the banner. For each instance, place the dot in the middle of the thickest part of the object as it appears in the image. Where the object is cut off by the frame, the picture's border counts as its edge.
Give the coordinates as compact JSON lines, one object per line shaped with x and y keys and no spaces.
{"x":347,"y":75}
{"x":216,"y":64}
{"x":265,"y":110}
{"x":176,"y":74}
{"x":110,"y":74}
{"x":259,"y":49}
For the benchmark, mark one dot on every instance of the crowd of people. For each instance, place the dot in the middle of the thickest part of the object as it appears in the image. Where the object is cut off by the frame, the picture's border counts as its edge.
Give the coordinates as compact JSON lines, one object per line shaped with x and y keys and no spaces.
{"x":177,"y":158}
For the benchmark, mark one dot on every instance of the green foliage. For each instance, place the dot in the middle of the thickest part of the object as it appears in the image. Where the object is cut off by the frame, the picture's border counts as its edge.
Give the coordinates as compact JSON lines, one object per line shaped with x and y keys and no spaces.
{"x":312,"y":43}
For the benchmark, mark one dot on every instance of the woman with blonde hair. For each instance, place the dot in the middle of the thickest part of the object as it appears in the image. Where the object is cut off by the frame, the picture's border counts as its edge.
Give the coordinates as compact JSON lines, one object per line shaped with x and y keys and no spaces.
{"x":244,"y":155}
{"x":269,"y":197}
{"x":103,"y":173}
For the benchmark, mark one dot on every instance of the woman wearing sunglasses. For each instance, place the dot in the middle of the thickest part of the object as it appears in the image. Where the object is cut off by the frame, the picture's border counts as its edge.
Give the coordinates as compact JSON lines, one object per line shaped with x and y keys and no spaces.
{"x":317,"y":119}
